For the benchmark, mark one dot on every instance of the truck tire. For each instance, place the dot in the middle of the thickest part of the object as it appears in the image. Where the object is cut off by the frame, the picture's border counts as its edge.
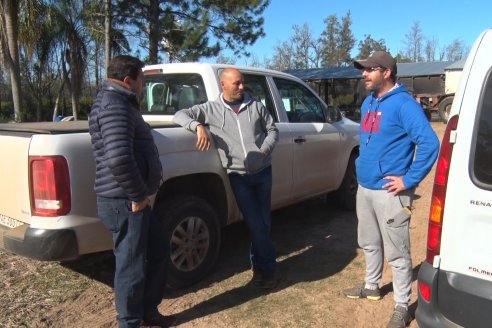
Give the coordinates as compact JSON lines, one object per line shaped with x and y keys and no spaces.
{"x":445,"y":108}
{"x":345,"y":194}
{"x":194,"y":238}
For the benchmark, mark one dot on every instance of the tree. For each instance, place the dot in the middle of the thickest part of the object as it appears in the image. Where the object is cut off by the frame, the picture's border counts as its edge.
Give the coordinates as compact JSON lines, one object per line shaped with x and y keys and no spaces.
{"x":102,"y":34}
{"x":369,"y":45}
{"x":9,"y":39}
{"x":283,"y":57}
{"x":328,"y":40}
{"x":430,"y":49}
{"x":222,"y":59}
{"x":37,"y":51}
{"x":71,"y":31}
{"x":456,"y":50}
{"x":301,"y":51}
{"x":108,"y":19}
{"x":346,"y":41}
{"x":301,"y":43}
{"x":191,"y":29}
{"x":414,"y":40}
{"x":337,"y":41}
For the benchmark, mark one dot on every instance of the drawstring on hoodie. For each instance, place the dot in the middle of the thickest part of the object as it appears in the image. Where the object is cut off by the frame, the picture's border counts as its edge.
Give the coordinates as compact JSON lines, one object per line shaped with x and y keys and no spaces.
{"x":373,"y":120}
{"x":243,"y":104}
{"x":223,"y":120}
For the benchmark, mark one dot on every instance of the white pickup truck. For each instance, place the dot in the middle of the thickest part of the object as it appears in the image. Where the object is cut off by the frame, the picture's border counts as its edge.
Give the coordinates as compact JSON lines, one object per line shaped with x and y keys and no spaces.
{"x":47,"y":202}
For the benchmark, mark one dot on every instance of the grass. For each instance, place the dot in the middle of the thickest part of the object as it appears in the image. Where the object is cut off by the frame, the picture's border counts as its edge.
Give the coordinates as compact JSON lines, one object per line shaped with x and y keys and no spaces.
{"x":29,"y":287}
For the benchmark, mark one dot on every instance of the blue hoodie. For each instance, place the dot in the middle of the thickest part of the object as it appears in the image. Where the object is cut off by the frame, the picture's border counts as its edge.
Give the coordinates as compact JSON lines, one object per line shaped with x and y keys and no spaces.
{"x":396,"y":139}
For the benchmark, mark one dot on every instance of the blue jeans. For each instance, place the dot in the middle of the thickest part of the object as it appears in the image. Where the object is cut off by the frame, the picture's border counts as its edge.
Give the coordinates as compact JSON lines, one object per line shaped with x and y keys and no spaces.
{"x":141,"y":249}
{"x":253,"y":194}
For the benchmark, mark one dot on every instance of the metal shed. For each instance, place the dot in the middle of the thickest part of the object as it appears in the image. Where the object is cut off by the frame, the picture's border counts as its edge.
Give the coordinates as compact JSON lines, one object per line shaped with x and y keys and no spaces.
{"x":343,"y":86}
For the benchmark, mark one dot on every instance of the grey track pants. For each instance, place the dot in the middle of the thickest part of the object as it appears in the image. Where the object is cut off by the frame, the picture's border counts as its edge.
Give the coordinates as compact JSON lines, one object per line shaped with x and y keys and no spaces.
{"x":383,"y":230}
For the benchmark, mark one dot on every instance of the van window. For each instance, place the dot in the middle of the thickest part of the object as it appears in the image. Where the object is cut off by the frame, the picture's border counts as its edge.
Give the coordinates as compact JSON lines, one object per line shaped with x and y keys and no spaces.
{"x":482,"y":167}
{"x":166,"y":94}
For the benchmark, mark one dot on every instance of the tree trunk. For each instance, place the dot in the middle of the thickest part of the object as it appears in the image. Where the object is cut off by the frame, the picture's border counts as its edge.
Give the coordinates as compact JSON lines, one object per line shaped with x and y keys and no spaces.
{"x":57,"y":101}
{"x":154,"y":35}
{"x":75,"y":77}
{"x":107,"y":33}
{"x":10,"y":9}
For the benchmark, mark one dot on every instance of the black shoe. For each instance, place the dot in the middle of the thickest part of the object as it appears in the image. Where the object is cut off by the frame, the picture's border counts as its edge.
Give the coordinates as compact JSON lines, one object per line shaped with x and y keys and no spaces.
{"x":362,"y":292}
{"x":257,"y":277}
{"x":400,"y":318}
{"x":155,"y":319}
{"x":270,"y":281}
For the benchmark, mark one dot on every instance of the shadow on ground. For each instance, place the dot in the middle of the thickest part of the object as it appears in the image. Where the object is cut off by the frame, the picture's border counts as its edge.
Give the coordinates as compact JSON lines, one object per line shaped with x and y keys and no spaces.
{"x":314,"y":240}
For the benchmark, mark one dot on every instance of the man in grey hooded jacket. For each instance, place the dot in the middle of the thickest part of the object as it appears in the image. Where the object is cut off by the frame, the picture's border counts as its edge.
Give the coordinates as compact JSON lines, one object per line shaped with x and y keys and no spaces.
{"x":245,"y":135}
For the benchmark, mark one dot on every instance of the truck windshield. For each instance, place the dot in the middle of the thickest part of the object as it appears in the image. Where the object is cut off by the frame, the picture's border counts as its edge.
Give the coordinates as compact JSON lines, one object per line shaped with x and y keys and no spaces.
{"x":165,"y":94}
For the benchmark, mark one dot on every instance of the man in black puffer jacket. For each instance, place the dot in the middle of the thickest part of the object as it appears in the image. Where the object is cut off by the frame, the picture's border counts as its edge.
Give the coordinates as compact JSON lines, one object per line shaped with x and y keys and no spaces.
{"x":128,"y":171}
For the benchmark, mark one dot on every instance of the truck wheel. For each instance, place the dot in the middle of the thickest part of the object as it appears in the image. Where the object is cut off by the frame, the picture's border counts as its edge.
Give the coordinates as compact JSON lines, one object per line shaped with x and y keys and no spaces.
{"x":428,"y":114}
{"x":445,"y":108}
{"x":194,"y":237}
{"x":347,"y":192}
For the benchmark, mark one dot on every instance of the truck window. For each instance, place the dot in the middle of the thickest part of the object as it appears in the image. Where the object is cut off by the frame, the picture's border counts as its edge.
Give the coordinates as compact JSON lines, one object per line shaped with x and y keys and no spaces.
{"x":257,"y":86}
{"x":300,"y":103}
{"x":482,"y":169}
{"x":168,"y":93}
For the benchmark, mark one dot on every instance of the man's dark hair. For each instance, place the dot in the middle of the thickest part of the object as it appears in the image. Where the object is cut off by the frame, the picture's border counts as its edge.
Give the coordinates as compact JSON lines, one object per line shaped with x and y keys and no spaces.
{"x":123,"y":65}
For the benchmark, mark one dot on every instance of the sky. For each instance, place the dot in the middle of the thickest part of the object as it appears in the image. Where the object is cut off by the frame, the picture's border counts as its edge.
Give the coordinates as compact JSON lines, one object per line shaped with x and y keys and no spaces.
{"x":444,"y":20}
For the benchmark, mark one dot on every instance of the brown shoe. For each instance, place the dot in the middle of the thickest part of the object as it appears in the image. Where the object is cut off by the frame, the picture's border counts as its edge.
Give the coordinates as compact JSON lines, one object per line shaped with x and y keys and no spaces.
{"x":155,"y":319}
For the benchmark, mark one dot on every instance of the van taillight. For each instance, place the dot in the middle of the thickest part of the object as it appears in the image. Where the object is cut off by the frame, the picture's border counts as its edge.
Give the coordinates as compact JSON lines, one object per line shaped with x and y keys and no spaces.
{"x":49,"y":185}
{"x":439,"y":193}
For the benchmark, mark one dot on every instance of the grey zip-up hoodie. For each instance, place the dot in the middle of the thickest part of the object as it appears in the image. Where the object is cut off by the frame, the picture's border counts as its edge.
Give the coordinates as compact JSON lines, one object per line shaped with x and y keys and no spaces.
{"x":244,"y":140}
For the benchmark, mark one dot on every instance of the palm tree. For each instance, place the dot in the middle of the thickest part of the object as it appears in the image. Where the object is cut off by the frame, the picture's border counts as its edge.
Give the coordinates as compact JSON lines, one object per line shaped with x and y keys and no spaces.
{"x":71,"y":33}
{"x":9,"y":38}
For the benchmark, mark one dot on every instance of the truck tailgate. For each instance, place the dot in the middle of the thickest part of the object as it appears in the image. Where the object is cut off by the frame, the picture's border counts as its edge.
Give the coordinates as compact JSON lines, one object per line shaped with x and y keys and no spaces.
{"x":14,"y":190}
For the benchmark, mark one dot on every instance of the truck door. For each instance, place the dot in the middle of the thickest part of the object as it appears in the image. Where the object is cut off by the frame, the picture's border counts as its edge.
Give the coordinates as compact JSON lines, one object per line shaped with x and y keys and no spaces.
{"x":316,"y":143}
{"x":282,"y":155}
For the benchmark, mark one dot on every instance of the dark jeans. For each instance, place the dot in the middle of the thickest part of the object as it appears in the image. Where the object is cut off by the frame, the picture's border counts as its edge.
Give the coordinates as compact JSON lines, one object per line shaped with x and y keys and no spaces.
{"x":253,"y":195}
{"x":141,"y":249}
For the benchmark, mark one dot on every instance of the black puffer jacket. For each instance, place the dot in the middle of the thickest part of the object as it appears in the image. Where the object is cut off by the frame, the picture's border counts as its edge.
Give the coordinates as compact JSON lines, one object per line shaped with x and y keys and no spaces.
{"x":127,"y":161}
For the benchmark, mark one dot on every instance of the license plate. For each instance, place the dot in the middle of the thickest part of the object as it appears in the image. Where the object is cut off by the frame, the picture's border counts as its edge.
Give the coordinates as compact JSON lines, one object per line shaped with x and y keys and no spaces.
{"x":10,"y":222}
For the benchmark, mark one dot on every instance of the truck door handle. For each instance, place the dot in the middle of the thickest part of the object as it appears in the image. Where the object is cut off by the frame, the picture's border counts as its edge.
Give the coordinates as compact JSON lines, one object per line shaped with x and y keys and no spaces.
{"x":299,"y":140}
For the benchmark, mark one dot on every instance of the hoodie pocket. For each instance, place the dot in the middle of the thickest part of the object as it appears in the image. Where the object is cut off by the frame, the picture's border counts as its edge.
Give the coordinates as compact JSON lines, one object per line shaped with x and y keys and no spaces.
{"x":368,"y":172}
{"x":254,"y":161}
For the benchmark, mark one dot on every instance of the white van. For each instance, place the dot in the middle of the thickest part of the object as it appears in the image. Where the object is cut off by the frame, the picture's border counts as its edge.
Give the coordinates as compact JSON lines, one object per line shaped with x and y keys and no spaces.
{"x":455,"y":281}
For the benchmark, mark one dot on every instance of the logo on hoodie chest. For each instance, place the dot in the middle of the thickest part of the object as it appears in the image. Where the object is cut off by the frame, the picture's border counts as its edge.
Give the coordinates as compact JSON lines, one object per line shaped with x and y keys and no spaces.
{"x":371,"y":122}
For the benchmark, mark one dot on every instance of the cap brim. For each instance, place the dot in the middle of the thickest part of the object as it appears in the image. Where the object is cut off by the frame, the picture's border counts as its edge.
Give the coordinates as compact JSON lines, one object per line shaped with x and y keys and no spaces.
{"x":360,"y":64}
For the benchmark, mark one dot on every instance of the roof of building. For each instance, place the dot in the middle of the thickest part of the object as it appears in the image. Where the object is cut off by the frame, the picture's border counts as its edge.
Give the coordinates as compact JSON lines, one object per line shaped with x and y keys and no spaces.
{"x":404,"y":70}
{"x":457,"y":65}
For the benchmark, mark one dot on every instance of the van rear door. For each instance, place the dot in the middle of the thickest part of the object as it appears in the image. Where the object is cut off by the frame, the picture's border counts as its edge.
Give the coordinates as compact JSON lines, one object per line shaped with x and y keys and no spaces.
{"x":466,"y":243}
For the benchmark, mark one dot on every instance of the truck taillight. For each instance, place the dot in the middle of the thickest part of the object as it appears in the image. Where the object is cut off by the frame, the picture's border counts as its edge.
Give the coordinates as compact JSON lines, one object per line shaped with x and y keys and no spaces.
{"x":425,"y":291}
{"x":439,"y":193}
{"x":49,"y":185}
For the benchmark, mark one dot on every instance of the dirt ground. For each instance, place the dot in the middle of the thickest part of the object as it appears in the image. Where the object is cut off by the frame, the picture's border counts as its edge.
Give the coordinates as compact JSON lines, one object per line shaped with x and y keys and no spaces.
{"x":318,"y":257}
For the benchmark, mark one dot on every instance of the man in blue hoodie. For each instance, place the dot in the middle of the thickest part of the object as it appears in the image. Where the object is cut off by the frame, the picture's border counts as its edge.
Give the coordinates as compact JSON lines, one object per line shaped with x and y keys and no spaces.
{"x":397,"y":150}
{"x":245,"y":135}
